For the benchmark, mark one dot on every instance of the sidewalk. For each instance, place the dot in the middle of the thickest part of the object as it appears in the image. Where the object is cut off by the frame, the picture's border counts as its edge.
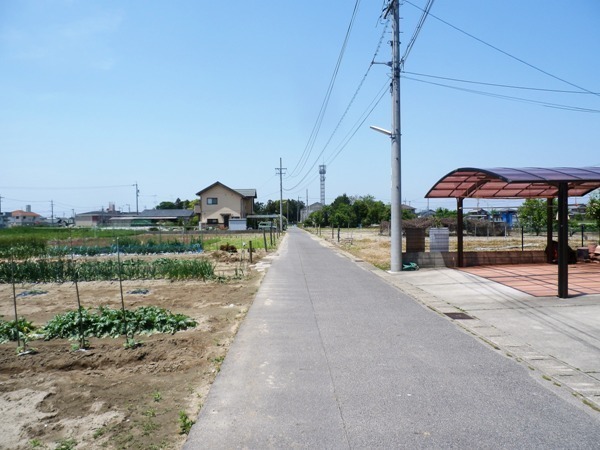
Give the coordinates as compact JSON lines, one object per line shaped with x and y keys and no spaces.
{"x":559,"y":338}
{"x":330,"y":356}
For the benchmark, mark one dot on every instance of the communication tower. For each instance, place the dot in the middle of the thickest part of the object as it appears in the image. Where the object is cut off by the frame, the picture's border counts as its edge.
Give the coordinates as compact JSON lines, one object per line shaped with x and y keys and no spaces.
{"x":322,"y":171}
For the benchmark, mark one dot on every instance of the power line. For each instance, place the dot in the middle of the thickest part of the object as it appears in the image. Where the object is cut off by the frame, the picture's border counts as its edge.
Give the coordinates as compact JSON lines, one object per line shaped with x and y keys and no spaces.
{"x":508,"y":86}
{"x":381,"y":93}
{"x":46,"y":188}
{"x":317,"y":126}
{"x":509,"y":97}
{"x":505,"y":53}
{"x":360,"y":85}
{"x":416,"y":32}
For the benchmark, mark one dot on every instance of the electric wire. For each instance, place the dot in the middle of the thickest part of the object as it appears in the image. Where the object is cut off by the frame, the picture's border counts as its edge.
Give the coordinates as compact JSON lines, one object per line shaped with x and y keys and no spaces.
{"x":46,"y":188}
{"x":317,"y":126}
{"x":508,"y":86}
{"x":351,"y":102}
{"x":381,"y":93}
{"x":418,"y":28}
{"x":360,"y":121}
{"x":508,"y":97}
{"x":360,"y":85}
{"x":504,"y":52}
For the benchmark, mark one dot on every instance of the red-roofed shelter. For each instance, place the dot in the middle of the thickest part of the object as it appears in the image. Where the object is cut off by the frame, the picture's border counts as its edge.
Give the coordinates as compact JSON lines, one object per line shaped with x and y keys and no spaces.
{"x":523,"y":183}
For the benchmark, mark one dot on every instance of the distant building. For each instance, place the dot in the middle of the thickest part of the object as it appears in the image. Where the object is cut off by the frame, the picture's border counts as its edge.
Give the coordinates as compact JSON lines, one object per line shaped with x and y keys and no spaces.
{"x":508,"y":216}
{"x":97,"y":218}
{"x":20,"y":218}
{"x":153,"y":217}
{"x":5,"y":219}
{"x":219,"y":203}
{"x":309,"y":210}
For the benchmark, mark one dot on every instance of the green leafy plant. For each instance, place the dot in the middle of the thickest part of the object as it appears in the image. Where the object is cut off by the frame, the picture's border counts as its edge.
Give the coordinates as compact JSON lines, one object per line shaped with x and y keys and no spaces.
{"x":108,"y":322}
{"x":66,"y":444}
{"x":99,"y":433}
{"x":10,"y":332}
{"x":36,"y":443}
{"x":66,"y":270}
{"x":185,"y":423}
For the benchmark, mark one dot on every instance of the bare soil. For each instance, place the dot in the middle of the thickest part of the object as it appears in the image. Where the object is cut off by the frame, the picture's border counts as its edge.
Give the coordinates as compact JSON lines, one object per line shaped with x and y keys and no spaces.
{"x":109,"y":396}
{"x":370,"y":245}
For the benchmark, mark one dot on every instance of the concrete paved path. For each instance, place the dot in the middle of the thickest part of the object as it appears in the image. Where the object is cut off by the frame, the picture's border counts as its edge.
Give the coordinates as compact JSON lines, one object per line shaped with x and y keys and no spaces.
{"x":333,"y":356}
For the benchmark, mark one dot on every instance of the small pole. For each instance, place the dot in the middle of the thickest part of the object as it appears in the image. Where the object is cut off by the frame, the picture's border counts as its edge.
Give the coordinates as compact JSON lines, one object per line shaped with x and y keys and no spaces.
{"x":12,"y":276}
{"x":250,"y":249}
{"x":265,"y":239}
{"x":122,"y":297}
{"x":82,"y":344}
{"x":522,"y":238}
{"x":582,"y":228}
{"x":338,"y":233}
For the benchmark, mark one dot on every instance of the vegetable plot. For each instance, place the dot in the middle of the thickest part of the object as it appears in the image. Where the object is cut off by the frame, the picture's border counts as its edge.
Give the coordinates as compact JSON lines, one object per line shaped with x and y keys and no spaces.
{"x":67,"y":270}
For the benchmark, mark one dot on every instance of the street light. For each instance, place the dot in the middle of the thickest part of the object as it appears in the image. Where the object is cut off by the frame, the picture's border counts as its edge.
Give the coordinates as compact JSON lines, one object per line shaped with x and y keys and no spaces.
{"x":396,"y":219}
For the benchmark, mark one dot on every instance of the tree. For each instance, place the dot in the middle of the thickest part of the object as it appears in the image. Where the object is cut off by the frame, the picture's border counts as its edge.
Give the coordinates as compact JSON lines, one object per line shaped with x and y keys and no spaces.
{"x":532,"y":214}
{"x":177,"y":204}
{"x":408,"y":214}
{"x":593,"y":209}
{"x":166,"y":205}
{"x":444,"y":213}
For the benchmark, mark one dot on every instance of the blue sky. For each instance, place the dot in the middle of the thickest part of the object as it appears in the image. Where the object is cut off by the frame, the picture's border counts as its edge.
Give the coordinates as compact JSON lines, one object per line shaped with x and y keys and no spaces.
{"x":98,"y":95}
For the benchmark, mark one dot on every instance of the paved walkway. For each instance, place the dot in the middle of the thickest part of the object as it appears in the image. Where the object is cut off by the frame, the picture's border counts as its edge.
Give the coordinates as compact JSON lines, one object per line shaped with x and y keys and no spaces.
{"x":333,"y":355}
{"x":541,"y":280}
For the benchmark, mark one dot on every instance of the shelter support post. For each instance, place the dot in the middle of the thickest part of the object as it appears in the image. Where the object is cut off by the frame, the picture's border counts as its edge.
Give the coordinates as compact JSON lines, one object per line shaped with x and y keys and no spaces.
{"x":563,"y":240}
{"x":459,"y":231}
{"x":549,"y":222}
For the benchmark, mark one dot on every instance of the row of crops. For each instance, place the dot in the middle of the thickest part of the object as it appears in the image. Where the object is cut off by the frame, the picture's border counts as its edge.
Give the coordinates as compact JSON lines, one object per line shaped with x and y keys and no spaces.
{"x":100,"y":323}
{"x":83,"y":324}
{"x":31,"y":247}
{"x":67,"y":270}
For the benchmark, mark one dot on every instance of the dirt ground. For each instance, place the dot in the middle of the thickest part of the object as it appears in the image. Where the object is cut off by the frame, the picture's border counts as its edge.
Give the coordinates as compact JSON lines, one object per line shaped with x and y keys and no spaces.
{"x":370,"y":245}
{"x":108,"y":396}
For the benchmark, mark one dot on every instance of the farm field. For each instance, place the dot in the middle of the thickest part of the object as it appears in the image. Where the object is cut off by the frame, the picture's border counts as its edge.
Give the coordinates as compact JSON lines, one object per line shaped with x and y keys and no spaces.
{"x":113,"y":397}
{"x":370,"y":245}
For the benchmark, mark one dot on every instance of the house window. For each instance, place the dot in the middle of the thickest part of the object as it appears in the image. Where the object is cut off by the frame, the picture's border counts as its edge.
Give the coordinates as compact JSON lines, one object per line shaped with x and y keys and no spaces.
{"x":212,"y":201}
{"x":212,"y":221}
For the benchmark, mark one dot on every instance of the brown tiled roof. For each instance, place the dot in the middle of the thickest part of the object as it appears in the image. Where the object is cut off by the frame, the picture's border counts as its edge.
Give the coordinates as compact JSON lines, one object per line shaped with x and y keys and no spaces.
{"x":20,"y":212}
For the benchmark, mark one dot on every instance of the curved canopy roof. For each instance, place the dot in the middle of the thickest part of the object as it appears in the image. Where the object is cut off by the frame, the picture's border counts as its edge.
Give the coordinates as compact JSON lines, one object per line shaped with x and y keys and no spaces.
{"x":505,"y":182}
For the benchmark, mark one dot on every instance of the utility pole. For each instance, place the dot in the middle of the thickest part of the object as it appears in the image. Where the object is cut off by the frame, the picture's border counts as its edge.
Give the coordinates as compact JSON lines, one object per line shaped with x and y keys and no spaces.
{"x":396,"y":219}
{"x":0,"y":204}
{"x":307,"y":208}
{"x":51,"y":212}
{"x":137,"y":196}
{"x":279,"y":171}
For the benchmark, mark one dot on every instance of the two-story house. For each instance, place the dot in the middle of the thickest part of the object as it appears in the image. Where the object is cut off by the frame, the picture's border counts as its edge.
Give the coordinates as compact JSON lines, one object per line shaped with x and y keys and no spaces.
{"x":20,"y":218}
{"x":219,"y":203}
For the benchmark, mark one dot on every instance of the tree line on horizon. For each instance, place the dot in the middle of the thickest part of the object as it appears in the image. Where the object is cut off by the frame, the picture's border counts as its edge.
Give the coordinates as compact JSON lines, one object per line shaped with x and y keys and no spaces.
{"x":364,"y":211}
